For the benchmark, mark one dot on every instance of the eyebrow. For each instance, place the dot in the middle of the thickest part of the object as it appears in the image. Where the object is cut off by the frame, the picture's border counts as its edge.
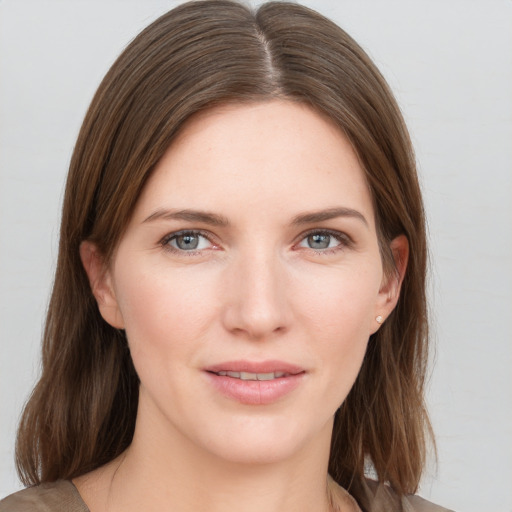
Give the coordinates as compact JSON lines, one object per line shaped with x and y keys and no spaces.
{"x":189,"y":215}
{"x":214,"y":219}
{"x":328,"y":214}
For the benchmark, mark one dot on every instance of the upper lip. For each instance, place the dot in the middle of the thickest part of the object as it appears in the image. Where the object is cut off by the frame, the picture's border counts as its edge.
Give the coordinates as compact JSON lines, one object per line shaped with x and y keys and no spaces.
{"x":270,"y":366}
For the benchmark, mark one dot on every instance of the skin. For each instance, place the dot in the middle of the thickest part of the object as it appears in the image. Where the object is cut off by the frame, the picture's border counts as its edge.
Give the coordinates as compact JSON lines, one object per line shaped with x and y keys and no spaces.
{"x":260,"y":286}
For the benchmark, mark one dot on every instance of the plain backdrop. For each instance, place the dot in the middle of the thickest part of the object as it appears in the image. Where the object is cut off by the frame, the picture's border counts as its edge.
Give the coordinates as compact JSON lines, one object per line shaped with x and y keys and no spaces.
{"x":450,"y":65}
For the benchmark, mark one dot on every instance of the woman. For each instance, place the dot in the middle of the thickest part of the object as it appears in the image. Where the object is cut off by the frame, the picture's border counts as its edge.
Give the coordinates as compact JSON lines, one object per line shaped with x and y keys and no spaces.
{"x":238,"y":316}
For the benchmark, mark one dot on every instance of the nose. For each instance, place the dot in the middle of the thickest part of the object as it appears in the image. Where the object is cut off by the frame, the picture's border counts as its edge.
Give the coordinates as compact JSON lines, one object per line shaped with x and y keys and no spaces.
{"x":256,"y":301}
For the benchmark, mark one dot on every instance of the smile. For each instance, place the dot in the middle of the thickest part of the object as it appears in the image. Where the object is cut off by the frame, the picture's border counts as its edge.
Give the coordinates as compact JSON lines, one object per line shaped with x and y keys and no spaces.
{"x":255,"y":383}
{"x":252,"y":376}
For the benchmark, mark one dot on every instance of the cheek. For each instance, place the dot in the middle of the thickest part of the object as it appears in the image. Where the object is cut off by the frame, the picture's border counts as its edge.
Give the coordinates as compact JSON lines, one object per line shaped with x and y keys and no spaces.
{"x":163,"y":312}
{"x":340,"y":301}
{"x":339,"y":315}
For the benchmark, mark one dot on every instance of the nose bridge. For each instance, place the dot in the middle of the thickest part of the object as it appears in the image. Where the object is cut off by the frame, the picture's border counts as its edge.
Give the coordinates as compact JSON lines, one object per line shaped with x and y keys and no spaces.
{"x":257,"y":300}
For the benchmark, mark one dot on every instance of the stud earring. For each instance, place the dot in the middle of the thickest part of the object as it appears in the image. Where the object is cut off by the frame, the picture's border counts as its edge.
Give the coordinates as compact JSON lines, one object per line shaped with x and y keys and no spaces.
{"x":379,"y":319}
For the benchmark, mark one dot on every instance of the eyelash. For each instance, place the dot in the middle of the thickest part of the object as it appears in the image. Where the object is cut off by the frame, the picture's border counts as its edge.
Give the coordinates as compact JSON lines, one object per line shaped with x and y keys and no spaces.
{"x":345,"y":241}
{"x":165,"y":242}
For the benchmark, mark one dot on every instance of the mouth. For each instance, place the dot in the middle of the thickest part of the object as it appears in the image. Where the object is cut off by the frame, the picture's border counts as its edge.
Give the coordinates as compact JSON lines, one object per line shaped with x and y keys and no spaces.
{"x":253,"y":376}
{"x":254,"y":370}
{"x":255,"y":383}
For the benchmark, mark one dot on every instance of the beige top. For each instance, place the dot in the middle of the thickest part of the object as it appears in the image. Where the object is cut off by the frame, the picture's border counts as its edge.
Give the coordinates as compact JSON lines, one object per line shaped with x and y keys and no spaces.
{"x":63,"y":496}
{"x":60,"y":496}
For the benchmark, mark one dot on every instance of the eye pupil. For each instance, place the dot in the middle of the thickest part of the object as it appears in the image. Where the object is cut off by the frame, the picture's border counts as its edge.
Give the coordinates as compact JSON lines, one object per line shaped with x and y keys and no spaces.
{"x":187,"y":242}
{"x":319,"y":241}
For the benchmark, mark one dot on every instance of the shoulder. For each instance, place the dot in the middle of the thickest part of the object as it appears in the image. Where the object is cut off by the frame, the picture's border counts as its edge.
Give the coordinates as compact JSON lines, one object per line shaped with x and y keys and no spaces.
{"x":418,"y":504}
{"x":60,"y":496}
{"x":384,"y":499}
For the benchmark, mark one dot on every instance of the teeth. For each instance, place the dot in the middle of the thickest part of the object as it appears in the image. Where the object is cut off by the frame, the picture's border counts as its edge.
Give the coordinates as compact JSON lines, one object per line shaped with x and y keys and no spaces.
{"x":266,"y":376}
{"x":252,"y":376}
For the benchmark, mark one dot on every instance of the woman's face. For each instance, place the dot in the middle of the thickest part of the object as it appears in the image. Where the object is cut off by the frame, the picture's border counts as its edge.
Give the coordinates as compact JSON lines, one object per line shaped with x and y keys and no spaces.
{"x":248,"y":281}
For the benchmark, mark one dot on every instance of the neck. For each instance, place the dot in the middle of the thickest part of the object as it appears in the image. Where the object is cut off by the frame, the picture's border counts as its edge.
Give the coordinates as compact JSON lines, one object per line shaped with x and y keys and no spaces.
{"x":194,"y":481}
{"x":162,"y":470}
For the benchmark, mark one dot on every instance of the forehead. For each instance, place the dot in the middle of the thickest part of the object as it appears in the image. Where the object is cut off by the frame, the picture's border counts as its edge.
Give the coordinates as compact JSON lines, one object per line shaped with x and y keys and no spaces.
{"x":255,"y":155}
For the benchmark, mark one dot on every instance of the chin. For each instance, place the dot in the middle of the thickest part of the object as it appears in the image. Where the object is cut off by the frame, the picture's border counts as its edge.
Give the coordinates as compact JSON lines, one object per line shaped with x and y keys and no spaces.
{"x":260,"y":441}
{"x":260,"y":452}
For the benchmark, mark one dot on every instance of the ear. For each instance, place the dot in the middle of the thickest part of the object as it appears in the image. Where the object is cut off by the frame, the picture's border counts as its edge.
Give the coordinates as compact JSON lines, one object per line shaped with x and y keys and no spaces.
{"x":392,"y":282}
{"x":100,"y":280}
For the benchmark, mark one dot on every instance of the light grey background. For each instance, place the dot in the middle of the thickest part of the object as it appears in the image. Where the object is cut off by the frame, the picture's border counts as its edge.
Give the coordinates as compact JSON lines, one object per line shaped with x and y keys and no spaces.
{"x":450,"y":65}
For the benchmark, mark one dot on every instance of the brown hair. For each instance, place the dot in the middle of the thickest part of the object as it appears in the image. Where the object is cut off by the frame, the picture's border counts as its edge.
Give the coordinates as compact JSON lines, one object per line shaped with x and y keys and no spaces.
{"x":201,"y":54}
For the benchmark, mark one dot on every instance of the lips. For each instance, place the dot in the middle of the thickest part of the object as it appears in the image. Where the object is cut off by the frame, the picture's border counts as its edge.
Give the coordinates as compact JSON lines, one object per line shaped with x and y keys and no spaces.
{"x":257,"y":367}
{"x":253,"y":376}
{"x":255,"y":383}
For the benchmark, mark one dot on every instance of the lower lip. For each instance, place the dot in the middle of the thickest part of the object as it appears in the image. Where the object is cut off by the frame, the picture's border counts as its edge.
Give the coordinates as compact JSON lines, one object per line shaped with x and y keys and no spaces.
{"x":255,"y":392}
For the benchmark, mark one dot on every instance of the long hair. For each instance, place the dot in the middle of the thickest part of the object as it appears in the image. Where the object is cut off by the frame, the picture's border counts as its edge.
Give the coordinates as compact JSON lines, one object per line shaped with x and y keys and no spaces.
{"x":82,"y":411}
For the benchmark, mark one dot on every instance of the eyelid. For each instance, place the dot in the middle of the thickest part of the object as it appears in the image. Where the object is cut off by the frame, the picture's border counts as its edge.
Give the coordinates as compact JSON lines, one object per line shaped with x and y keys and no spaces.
{"x":164,"y":241}
{"x":344,"y":239}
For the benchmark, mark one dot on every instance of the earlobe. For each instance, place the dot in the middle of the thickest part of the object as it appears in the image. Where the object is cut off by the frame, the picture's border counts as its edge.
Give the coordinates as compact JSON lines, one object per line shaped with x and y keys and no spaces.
{"x":100,"y":281}
{"x":389,"y":292}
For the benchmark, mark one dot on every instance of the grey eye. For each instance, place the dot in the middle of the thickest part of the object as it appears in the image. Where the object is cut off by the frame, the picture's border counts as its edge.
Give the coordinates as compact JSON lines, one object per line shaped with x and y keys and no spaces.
{"x":186,"y":241}
{"x":319,"y":241}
